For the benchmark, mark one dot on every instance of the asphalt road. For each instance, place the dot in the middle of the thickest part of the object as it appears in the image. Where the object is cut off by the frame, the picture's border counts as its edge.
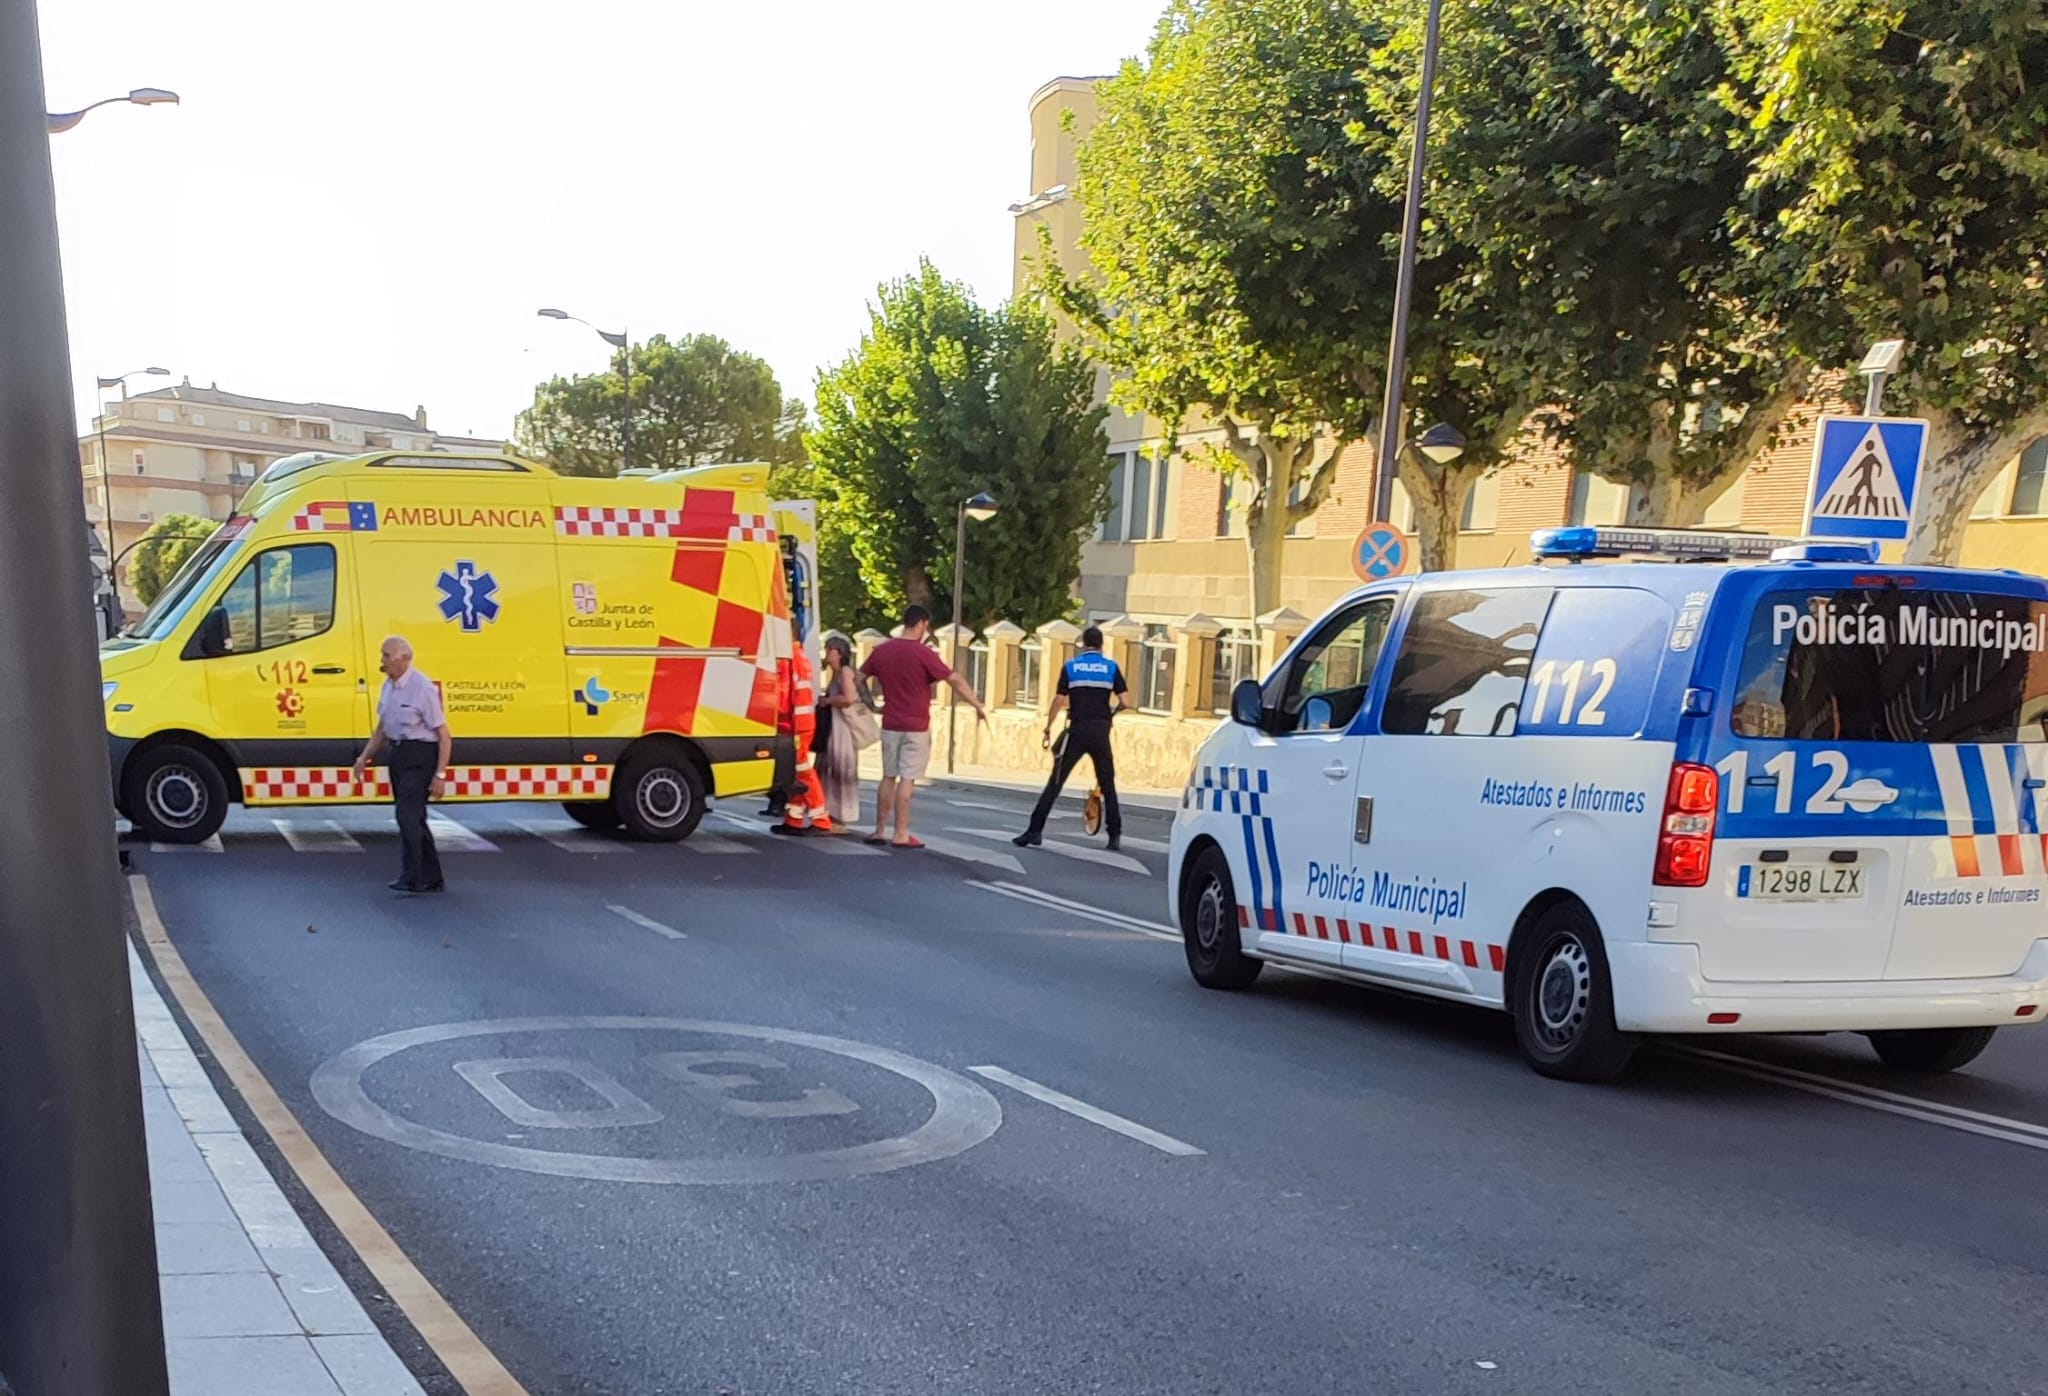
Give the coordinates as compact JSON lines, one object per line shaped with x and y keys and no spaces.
{"x":708,"y":1119}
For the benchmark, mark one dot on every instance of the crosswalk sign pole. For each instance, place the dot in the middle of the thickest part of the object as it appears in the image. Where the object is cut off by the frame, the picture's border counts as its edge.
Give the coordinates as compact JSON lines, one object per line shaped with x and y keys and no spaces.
{"x":79,"y":1309}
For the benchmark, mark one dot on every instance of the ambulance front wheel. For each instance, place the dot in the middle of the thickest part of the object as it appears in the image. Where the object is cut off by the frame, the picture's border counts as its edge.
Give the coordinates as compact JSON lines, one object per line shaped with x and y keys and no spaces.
{"x":1208,"y":925}
{"x":1930,"y":1049}
{"x":658,"y":795}
{"x":174,"y":795}
{"x":1562,"y":998}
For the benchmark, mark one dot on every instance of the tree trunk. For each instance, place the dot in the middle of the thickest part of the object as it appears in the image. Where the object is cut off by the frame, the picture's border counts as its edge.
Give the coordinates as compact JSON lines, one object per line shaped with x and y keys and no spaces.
{"x":1961,"y":462}
{"x":1265,"y":538}
{"x":917,"y":586}
{"x":1438,"y":494}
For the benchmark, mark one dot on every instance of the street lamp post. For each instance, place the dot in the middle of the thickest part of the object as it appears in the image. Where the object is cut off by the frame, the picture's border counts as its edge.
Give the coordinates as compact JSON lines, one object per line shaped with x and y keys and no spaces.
{"x":80,"y":1312}
{"x":57,"y":122}
{"x":981,"y":506}
{"x":621,"y":340}
{"x":1404,"y":277}
{"x":119,"y":380}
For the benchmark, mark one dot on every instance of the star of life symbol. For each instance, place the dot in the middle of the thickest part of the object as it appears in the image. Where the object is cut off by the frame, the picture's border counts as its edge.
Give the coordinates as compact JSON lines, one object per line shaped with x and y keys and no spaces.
{"x":468,"y":595}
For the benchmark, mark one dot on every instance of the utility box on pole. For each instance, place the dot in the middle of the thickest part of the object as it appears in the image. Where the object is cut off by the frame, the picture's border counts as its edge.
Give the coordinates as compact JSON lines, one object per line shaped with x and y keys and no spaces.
{"x":79,"y":1310}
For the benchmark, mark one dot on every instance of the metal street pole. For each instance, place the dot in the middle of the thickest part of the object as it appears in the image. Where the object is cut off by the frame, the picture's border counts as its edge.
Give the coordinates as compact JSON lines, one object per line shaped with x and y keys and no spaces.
{"x":959,"y":580}
{"x":79,"y":1308}
{"x":1404,"y":279}
{"x":626,"y":427}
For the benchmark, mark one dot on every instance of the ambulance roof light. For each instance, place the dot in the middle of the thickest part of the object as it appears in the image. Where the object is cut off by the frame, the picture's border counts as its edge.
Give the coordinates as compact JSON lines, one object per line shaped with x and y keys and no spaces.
{"x":1579,"y":542}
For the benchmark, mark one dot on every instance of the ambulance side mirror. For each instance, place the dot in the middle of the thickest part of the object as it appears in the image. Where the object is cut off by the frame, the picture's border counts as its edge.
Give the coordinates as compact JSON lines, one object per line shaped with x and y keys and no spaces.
{"x":1247,"y":703}
{"x":210,"y":640}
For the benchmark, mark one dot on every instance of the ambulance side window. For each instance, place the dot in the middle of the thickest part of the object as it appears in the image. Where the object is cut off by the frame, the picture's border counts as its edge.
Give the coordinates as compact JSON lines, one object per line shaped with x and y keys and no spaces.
{"x":280,"y":595}
{"x":1464,"y":662}
{"x":1327,"y":679}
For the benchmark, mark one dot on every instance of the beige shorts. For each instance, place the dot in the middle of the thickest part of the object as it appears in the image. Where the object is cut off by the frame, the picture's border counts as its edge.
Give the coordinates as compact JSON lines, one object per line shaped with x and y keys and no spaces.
{"x":906,"y":754}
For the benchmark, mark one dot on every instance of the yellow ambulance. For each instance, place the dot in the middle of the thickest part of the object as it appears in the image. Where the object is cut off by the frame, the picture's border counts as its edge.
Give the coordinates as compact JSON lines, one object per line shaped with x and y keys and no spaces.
{"x":618,"y":646}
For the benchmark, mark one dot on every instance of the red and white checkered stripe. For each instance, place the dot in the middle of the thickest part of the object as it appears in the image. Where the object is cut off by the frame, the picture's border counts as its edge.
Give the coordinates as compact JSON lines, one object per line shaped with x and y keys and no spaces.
{"x":312,"y":784}
{"x":313,"y":518}
{"x":592,"y":521}
{"x":1472,"y":954}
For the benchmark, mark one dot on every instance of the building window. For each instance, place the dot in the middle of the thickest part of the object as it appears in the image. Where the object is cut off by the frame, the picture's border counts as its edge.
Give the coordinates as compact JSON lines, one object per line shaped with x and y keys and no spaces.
{"x":241,"y":424}
{"x":142,"y":516}
{"x":1401,"y":509}
{"x":1234,"y":657}
{"x":263,"y":428}
{"x":1119,"y":483}
{"x":977,"y":669}
{"x":1237,"y":493}
{"x":138,"y":462}
{"x":1482,"y":505}
{"x":1155,"y":669}
{"x":198,"y":419}
{"x":1030,"y":660}
{"x":1597,"y":501}
{"x":167,"y":414}
{"x":2030,"y":490}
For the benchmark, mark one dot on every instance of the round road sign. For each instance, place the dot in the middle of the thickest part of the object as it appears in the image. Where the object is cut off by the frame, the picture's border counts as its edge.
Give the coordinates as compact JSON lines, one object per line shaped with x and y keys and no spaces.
{"x":1381,"y":551}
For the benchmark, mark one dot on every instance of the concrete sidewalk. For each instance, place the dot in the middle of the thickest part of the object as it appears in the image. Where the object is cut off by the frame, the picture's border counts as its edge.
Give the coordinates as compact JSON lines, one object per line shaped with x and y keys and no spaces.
{"x":251,"y":1305}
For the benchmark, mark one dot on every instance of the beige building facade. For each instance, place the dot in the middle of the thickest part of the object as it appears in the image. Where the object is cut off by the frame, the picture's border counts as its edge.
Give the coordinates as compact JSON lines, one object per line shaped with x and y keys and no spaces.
{"x":193,"y":450}
{"x":1167,"y":575}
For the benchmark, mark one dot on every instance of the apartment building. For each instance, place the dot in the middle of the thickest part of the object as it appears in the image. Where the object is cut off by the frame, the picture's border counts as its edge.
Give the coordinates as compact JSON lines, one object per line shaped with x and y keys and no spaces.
{"x":1167,"y":575}
{"x":193,"y":450}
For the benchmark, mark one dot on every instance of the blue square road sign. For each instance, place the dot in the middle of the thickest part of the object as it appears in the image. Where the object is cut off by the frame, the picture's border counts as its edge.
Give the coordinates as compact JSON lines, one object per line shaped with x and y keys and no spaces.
{"x":1866,"y":474}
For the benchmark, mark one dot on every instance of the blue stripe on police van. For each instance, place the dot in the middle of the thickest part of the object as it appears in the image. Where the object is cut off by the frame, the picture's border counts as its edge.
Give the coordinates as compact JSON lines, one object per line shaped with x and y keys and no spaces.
{"x":1251,"y":860}
{"x":1273,"y":853}
{"x":1983,"y":809}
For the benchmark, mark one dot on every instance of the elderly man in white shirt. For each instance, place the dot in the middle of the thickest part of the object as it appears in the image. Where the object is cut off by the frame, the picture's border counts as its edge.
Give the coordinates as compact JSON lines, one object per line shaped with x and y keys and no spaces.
{"x":412,"y":726}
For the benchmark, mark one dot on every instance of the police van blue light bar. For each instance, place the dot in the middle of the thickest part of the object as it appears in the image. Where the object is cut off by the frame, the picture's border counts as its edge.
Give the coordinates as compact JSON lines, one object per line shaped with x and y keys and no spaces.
{"x":1584,"y":541}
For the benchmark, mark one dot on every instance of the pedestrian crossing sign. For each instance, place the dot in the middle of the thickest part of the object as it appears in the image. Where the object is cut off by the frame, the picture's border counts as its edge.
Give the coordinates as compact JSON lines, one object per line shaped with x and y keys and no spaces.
{"x":1866,"y":471}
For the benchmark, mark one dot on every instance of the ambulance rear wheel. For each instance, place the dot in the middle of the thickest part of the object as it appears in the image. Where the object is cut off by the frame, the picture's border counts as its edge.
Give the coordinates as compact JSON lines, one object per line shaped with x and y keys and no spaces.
{"x":1930,"y":1049}
{"x":658,"y":795}
{"x":1208,"y":926}
{"x":592,"y":814}
{"x":174,"y":795}
{"x":1563,"y":999}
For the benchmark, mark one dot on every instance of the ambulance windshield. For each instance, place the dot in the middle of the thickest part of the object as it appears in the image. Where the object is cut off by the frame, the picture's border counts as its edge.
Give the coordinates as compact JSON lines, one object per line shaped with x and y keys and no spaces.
{"x":175,"y":599}
{"x":1894,"y":665}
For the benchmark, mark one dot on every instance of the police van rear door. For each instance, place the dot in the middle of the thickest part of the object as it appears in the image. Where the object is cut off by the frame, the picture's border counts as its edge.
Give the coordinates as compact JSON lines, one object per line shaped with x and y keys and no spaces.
{"x":1873,"y":753}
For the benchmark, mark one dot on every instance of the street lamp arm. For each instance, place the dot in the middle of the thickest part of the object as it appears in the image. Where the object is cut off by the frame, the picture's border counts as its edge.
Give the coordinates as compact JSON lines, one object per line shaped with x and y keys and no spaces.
{"x":58,"y":122}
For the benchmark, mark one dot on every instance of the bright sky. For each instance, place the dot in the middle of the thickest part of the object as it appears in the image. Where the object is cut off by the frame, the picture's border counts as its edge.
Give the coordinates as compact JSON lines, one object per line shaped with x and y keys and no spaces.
{"x":365,"y":201}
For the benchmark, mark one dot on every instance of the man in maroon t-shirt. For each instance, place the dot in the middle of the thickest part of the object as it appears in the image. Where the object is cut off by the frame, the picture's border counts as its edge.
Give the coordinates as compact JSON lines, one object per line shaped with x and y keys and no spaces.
{"x":905,"y":670}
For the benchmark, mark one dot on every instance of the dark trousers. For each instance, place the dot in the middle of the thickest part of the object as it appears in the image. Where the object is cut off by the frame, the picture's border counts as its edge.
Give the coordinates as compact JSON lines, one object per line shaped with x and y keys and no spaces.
{"x":1090,"y":739}
{"x":413,"y":766}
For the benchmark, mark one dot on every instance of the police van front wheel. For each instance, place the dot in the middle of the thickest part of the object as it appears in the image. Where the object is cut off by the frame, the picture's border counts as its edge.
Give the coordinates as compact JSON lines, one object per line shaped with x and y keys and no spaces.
{"x":1930,"y":1049}
{"x":174,"y":795}
{"x":1563,"y":999}
{"x":658,"y":796}
{"x":1208,"y":926}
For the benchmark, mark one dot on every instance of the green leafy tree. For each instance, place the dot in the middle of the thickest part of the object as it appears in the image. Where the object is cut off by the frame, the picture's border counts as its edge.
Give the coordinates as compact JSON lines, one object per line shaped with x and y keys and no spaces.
{"x":941,"y":400}
{"x":1589,"y":162}
{"x":1242,"y":188}
{"x":163,"y":550}
{"x":697,"y":401}
{"x":1900,"y":189}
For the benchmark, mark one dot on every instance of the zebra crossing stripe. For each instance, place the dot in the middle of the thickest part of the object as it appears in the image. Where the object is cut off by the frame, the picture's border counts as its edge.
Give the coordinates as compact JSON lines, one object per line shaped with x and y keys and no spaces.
{"x":316,"y":836}
{"x":450,"y":837}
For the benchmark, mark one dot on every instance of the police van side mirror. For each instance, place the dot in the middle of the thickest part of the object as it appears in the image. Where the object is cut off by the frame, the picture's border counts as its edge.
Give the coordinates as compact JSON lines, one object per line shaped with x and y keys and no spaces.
{"x":1247,"y":703}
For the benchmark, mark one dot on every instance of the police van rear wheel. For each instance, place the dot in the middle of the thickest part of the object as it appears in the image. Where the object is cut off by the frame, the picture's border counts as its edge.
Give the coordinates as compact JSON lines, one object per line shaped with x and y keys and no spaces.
{"x":658,"y":796}
{"x":1563,"y":1000}
{"x":1930,"y":1049}
{"x":592,"y":814}
{"x":175,"y":795}
{"x":1208,"y":926}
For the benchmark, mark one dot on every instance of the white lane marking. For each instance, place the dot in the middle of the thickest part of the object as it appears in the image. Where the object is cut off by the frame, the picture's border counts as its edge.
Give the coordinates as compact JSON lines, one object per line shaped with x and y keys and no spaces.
{"x":450,"y":837}
{"x":574,"y":837}
{"x":701,"y":842}
{"x":1932,"y":1112}
{"x":316,"y":836}
{"x":1107,"y":918}
{"x":646,"y":922}
{"x":1094,"y":1114}
{"x":846,"y":844}
{"x":954,"y":848}
{"x":1087,"y":853}
{"x":210,"y":844}
{"x":1146,"y":845}
{"x":982,"y":804}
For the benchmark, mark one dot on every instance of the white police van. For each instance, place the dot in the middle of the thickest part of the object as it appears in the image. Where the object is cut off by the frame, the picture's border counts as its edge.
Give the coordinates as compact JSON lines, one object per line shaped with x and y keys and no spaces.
{"x":1805,"y":794}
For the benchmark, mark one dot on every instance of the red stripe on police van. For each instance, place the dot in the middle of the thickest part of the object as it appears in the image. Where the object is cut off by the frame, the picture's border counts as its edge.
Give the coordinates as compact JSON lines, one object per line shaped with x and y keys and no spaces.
{"x":1322,"y":931}
{"x":1300,"y":925}
{"x":1965,"y":848}
{"x":1471,"y":954}
{"x":1244,"y":917}
{"x":2009,"y":856}
{"x":1415,"y":943}
{"x":1499,"y":956}
{"x":1443,"y":948}
{"x":1343,"y":930}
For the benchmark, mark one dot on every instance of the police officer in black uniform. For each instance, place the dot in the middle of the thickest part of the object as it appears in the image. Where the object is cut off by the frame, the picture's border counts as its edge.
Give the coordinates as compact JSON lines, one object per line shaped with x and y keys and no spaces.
{"x":1092,"y":686}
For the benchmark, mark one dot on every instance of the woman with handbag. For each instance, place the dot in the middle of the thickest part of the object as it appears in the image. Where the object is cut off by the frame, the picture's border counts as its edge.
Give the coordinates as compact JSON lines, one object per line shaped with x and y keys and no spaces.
{"x":853,"y":728}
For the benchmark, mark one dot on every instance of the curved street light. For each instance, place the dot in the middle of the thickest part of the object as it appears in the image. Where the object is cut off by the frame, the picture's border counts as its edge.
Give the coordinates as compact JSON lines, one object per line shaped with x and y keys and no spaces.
{"x":617,"y":341}
{"x":981,"y":506}
{"x":60,"y":121}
